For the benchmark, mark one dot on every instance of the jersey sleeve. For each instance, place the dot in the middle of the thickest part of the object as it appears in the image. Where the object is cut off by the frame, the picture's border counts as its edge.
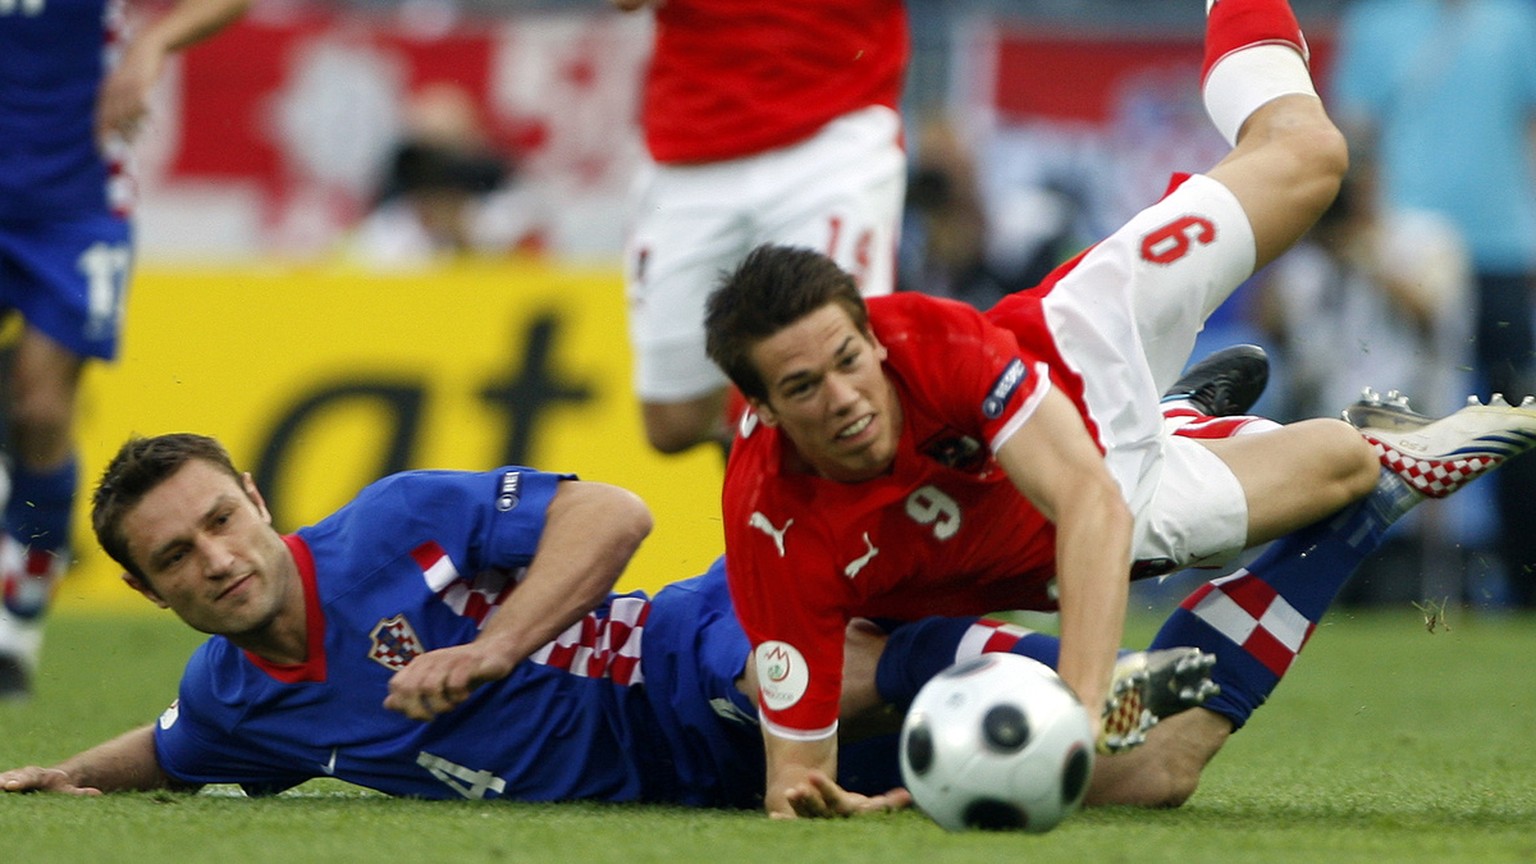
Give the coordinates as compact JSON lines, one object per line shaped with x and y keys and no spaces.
{"x":794,"y":621}
{"x":988,"y":383}
{"x":197,"y":740}
{"x":495,"y":517}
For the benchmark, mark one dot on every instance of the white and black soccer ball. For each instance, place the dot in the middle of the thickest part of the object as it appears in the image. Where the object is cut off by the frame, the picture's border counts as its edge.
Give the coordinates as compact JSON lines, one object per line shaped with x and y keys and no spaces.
{"x":998,"y":742}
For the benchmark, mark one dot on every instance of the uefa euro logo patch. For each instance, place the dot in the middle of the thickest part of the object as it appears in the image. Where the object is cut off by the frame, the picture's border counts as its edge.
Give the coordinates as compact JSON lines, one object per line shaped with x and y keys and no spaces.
{"x":394,"y":643}
{"x":1003,"y":389}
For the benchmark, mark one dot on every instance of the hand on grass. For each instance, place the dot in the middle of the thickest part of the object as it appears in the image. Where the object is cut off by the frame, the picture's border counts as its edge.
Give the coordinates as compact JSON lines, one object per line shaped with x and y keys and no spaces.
{"x":35,"y":779}
{"x":819,"y":797}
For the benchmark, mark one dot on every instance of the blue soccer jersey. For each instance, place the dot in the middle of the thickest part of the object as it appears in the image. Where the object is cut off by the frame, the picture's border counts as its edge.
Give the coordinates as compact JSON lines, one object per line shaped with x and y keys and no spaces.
{"x":53,"y":57}
{"x":418,"y":561}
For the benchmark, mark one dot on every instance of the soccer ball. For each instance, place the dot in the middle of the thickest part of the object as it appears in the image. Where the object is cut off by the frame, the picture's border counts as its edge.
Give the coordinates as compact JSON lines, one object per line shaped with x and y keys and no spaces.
{"x":997,"y":742}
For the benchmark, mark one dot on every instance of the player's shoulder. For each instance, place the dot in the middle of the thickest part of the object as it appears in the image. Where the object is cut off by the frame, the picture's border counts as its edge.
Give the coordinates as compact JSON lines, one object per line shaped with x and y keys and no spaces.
{"x":215,"y":679}
{"x":918,"y":311}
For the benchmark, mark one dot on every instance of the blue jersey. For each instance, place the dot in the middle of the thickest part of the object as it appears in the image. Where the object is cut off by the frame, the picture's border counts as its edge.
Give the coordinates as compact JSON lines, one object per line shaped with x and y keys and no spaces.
{"x":636,"y":702}
{"x":53,"y":57}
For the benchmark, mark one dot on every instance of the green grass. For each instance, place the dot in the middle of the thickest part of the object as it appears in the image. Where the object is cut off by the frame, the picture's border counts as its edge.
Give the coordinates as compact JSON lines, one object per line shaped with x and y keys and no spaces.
{"x":1385,"y":744}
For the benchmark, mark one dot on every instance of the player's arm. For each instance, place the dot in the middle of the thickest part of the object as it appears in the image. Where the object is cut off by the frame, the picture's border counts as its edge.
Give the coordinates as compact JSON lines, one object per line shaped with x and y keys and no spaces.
{"x":1054,"y":462}
{"x":125,"y":763}
{"x":591,"y":532}
{"x":124,"y":97}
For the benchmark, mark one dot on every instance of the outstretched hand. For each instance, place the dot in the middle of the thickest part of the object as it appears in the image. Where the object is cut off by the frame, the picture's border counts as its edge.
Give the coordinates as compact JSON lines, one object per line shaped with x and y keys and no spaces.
{"x":35,"y":779}
{"x":819,"y":797}
{"x":440,"y":681}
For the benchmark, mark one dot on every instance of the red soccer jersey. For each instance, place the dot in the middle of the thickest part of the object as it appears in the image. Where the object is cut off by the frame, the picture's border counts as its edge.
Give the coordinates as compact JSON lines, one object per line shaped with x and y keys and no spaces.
{"x":729,"y":78}
{"x":945,"y":532}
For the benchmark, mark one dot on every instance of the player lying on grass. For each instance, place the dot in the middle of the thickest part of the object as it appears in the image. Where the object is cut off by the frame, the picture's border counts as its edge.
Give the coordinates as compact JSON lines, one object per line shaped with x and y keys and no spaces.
{"x":333,"y":643}
{"x":908,"y":455}
{"x":389,"y":602}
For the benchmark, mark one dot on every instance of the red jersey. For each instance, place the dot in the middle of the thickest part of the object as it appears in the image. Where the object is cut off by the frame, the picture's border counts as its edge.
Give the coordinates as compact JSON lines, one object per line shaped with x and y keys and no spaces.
{"x":944,"y":532}
{"x":729,"y":78}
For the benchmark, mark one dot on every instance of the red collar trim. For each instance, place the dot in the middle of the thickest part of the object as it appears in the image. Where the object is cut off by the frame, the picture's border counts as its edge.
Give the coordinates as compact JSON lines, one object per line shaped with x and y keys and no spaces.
{"x":312,"y":669}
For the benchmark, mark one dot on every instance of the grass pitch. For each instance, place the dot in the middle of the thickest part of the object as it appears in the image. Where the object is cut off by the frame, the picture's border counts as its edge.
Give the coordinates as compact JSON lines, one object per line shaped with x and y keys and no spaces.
{"x":1386,"y":743}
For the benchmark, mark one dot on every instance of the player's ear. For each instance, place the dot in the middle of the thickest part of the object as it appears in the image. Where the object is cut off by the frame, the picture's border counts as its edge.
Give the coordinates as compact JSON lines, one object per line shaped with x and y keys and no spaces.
{"x":144,"y":588}
{"x":249,"y":484}
{"x":764,"y":411}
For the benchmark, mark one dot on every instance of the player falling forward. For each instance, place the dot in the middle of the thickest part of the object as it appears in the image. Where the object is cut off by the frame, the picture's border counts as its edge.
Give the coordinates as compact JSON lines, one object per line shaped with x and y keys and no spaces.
{"x":907,"y":456}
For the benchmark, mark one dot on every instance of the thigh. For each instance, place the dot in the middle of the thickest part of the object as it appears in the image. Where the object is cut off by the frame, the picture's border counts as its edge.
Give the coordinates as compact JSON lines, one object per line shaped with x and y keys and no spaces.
{"x":1198,"y":513}
{"x":684,"y":235}
{"x":841,"y":193}
{"x":69,"y":280}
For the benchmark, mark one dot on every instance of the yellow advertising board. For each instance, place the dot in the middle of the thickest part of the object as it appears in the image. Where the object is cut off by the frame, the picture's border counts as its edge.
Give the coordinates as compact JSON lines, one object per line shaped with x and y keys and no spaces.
{"x":321,"y":379}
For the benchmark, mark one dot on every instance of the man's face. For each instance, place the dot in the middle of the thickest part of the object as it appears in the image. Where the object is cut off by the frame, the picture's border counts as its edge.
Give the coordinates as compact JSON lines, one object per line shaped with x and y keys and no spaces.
{"x":206,"y":545}
{"x":828,"y":393}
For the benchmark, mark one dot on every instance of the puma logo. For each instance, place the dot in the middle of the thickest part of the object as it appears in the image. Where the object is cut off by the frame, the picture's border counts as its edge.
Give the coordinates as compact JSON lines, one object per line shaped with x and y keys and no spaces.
{"x":858,"y":563}
{"x":761,"y":523}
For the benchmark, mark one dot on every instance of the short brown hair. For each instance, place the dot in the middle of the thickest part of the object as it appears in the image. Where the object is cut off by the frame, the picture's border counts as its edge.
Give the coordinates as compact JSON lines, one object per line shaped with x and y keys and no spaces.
{"x":772,"y":288}
{"x":140,"y":465}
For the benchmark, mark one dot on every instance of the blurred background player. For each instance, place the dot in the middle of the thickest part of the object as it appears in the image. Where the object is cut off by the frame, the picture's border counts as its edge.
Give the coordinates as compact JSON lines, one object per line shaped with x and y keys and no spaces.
{"x":764,"y":123}
{"x":74,"y":90}
{"x":1444,"y":93}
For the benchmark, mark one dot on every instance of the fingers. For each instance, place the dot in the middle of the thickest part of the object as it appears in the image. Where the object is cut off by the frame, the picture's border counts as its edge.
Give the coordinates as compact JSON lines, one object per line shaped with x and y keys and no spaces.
{"x":429,"y":686}
{"x":36,"y":779}
{"x":426,"y":702}
{"x":819,"y":797}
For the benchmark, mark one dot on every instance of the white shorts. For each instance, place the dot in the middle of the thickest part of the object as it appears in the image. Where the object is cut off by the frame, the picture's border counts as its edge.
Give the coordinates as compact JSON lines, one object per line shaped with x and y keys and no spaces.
{"x":839,"y":191}
{"x":1125,"y":319}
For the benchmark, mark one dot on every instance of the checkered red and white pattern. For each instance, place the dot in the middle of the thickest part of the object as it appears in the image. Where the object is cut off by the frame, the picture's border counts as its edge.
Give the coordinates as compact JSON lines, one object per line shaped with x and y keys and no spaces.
{"x":474,"y":598}
{"x":395,"y":643}
{"x":598,"y":647}
{"x":1434,"y":478}
{"x":1246,"y":610}
{"x":594,"y":647}
{"x":989,"y":635}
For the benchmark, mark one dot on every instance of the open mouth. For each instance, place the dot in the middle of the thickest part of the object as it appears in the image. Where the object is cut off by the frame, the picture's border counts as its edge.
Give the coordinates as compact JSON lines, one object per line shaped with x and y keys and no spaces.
{"x":856,"y":427}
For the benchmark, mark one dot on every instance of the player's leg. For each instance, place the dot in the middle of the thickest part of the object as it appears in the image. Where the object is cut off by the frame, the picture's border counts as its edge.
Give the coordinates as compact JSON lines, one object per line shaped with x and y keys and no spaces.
{"x":71,"y":280}
{"x":1288,"y":158}
{"x":840,"y":192}
{"x":1146,"y":686}
{"x":1270,"y":467}
{"x":684,"y":234}
{"x":1258,"y":619}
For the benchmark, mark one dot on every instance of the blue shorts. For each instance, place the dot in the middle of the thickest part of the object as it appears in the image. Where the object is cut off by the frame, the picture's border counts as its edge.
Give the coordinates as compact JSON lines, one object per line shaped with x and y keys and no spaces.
{"x":69,"y":279}
{"x":694,"y":651}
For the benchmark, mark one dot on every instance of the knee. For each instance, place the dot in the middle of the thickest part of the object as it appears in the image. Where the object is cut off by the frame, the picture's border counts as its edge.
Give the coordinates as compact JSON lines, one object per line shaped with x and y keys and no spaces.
{"x":1346,"y":463}
{"x":1317,"y":154}
{"x":1358,"y":467}
{"x":676,"y":427}
{"x":673,"y":438}
{"x":38,"y":408}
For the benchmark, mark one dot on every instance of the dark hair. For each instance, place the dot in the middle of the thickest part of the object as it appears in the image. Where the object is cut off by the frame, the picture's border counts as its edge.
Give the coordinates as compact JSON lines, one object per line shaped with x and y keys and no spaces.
{"x":140,"y":465}
{"x":774,"y":287}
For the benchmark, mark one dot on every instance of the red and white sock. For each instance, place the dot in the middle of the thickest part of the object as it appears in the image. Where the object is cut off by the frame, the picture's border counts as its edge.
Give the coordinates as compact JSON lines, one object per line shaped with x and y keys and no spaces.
{"x":1254,"y":53}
